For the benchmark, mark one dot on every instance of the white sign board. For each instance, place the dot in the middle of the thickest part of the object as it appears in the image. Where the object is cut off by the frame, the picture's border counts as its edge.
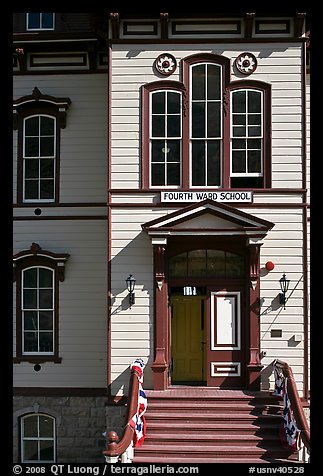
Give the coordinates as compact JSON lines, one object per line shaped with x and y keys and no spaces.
{"x":197,"y":196}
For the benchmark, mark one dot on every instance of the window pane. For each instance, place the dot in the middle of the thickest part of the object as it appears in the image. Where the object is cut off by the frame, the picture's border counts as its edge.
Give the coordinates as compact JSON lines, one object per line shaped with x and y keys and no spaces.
{"x":174,"y":150}
{"x":239,"y":119}
{"x":158,"y":174}
{"x":32,"y":126}
{"x":30,"y":342}
{"x":213,"y":162}
{"x":47,"y":126}
{"x":29,"y":299}
{"x":239,"y":101}
{"x":213,"y":82}
{"x":33,"y":20}
{"x":254,"y":101}
{"x":178,"y":265}
{"x":198,"y":163}
{"x":254,"y":144}
{"x":158,"y":126}
{"x":30,"y":427}
{"x":239,"y":131}
{"x":47,"y":20}
{"x":47,"y":147}
{"x":198,"y":119}
{"x":45,"y":299}
{"x":254,"y":161}
{"x":198,"y":82}
{"x":214,"y":119}
{"x":238,"y":161}
{"x":45,"y":426}
{"x":31,"y":190}
{"x":254,"y":119}
{"x":254,"y":131}
{"x":173,"y":174}
{"x":30,"y":278}
{"x":46,"y":450}
{"x":31,"y":168}
{"x":239,"y":144}
{"x":30,"y":320}
{"x":215,"y":263}
{"x":46,"y":189}
{"x":45,"y":342}
{"x":234,"y":265}
{"x":158,"y":103}
{"x":173,"y":103}
{"x":45,"y":278}
{"x":46,"y":320}
{"x":197,"y":263}
{"x":158,"y":155}
{"x":173,"y":126}
{"x":30,"y":450}
{"x":47,"y":168}
{"x":31,"y":147}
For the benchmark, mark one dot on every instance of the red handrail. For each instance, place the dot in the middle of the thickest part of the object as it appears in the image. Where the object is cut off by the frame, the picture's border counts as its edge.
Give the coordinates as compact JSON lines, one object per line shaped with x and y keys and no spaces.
{"x":296,"y":404}
{"x":115,"y":447}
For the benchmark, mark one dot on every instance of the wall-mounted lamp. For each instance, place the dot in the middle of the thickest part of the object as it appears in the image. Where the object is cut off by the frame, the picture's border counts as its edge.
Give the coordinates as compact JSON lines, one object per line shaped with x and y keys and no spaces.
{"x":284,"y":283}
{"x":130,"y":282}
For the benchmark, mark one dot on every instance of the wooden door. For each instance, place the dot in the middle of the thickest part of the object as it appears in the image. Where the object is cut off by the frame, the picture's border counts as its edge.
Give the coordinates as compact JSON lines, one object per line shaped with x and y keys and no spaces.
{"x":225,"y":339}
{"x":188,"y":339}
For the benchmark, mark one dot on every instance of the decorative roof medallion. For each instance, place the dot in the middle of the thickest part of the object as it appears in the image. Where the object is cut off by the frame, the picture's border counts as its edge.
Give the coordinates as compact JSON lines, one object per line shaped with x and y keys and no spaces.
{"x":246,"y":63}
{"x":165,"y":64}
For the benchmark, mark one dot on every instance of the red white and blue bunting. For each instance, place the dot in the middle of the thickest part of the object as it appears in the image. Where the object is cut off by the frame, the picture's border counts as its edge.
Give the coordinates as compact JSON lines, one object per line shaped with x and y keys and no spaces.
{"x":138,"y":421}
{"x":289,"y":433}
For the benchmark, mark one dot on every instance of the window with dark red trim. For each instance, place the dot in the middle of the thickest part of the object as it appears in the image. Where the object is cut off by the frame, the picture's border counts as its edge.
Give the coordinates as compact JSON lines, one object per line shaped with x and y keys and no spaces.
{"x":222,"y":137}
{"x":37,"y":274}
{"x":39,"y":119}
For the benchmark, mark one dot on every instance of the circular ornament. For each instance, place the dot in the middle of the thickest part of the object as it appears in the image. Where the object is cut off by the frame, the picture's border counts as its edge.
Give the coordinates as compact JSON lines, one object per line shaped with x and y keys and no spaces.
{"x":165,"y":64}
{"x":246,"y":63}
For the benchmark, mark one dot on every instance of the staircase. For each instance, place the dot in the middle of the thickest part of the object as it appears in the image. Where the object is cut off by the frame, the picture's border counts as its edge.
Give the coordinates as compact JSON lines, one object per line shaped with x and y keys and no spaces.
{"x":205,"y":425}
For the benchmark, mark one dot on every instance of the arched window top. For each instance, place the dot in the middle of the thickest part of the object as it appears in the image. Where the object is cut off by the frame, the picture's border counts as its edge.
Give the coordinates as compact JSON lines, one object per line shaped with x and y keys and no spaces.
{"x":36,"y":255}
{"x":26,"y":105}
{"x":206,"y":263}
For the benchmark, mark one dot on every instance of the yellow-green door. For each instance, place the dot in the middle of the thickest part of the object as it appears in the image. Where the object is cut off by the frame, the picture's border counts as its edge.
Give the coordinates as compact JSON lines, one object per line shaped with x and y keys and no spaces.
{"x":188,"y":339}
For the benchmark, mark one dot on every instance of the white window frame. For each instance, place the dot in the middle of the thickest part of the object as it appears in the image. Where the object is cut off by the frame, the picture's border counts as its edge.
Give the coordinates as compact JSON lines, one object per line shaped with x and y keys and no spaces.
{"x":39,"y":157}
{"x":40,"y":23}
{"x":37,"y":438}
{"x":261,"y":138}
{"x":151,"y":138}
{"x":205,"y":139}
{"x":38,"y":353}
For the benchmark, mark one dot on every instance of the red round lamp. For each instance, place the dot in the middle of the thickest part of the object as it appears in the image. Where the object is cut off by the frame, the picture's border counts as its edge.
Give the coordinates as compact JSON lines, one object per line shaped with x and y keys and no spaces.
{"x":270,"y":265}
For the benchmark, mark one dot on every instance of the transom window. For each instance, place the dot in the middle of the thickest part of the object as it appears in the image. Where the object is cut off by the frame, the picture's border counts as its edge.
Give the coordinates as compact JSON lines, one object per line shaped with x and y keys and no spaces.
{"x":206,"y":263}
{"x":38,"y":311}
{"x":39,"y":151}
{"x":38,"y":443}
{"x":207,"y":131}
{"x":40,"y":21}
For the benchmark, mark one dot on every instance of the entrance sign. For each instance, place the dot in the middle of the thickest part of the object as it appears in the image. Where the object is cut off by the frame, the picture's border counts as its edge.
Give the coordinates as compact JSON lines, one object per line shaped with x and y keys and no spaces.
{"x":245,"y":196}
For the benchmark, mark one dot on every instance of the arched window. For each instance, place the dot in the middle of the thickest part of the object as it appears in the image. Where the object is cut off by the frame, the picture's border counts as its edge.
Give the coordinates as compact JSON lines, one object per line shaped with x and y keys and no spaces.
{"x":38,"y":438}
{"x":39,"y":119}
{"x":37,"y":274}
{"x":207,"y":131}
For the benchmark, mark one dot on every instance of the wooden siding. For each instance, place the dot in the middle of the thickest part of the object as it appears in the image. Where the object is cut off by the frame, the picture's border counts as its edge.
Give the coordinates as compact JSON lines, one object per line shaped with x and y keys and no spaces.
{"x":281,"y":67}
{"x":83,"y":151}
{"x":132,"y":253}
{"x":83,"y":303}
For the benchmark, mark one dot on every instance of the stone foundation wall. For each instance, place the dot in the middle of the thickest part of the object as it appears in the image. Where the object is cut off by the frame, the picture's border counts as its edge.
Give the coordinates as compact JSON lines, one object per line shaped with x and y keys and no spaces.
{"x":80,"y":425}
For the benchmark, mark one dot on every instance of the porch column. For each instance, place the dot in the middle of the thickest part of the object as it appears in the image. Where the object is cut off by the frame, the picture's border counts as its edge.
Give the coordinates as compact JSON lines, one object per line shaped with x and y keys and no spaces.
{"x":160,"y":364}
{"x":254,"y":365}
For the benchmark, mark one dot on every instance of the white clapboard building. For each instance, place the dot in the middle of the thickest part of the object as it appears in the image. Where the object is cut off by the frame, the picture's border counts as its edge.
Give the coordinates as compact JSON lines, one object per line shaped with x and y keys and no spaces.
{"x":169,"y":152}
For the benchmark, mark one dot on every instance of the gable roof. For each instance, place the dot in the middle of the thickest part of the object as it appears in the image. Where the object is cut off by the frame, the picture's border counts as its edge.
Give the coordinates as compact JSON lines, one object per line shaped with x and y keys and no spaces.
{"x":208,"y":218}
